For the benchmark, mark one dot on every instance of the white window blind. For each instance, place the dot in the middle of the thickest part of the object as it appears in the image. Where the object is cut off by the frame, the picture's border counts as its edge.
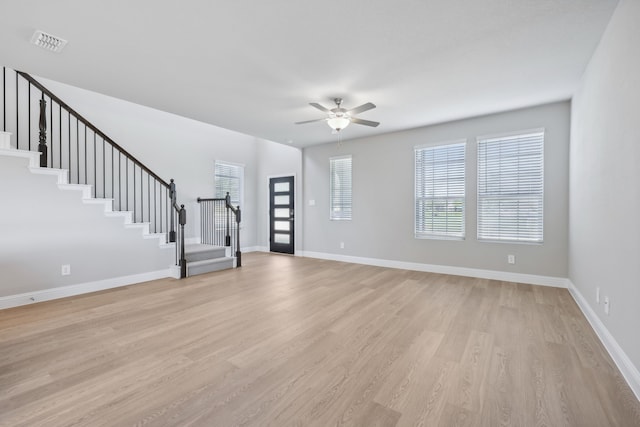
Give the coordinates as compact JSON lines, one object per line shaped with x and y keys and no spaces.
{"x":228,"y":178}
{"x":340,"y":186}
{"x":439,"y":191}
{"x":511,"y":187}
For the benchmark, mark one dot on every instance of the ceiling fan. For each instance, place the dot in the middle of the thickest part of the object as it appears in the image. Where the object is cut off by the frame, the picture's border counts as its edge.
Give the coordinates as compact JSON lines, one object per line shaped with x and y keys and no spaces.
{"x":339,"y":118}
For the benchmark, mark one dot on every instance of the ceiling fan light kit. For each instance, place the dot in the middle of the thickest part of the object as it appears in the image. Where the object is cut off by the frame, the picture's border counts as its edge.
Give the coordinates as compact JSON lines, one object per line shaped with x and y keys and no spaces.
{"x":338,"y":123}
{"x":339,"y":118}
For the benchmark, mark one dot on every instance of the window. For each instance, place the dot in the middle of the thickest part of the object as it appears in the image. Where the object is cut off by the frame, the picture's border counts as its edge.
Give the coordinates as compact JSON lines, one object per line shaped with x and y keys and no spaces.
{"x":228,"y":178}
{"x":439,"y":187}
{"x":340,"y":186}
{"x":510,"y":187}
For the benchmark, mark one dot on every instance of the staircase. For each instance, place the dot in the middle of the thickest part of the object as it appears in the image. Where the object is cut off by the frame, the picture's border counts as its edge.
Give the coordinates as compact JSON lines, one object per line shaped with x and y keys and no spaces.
{"x":60,"y":142}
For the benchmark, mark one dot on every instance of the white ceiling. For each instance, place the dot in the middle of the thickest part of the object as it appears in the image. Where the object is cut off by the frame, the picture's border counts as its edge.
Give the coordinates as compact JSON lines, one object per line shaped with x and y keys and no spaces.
{"x":253,"y":66}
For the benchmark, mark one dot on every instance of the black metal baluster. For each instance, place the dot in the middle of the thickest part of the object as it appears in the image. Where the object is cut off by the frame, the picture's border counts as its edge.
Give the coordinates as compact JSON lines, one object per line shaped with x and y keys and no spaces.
{"x":50,"y":127}
{"x":155,"y":208}
{"x":4,"y":99}
{"x":134,"y":193}
{"x":104,"y":173}
{"x":141,"y":197}
{"x":78,"y":148}
{"x":28,"y":115}
{"x":113,"y":169}
{"x":85,"y":155}
{"x":17,"y":115}
{"x":126,"y":188}
{"x":149,"y":199}
{"x":60,"y":135}
{"x":95,"y":162}
{"x":160,"y":208}
{"x":119,"y":181}
{"x":69,"y":130}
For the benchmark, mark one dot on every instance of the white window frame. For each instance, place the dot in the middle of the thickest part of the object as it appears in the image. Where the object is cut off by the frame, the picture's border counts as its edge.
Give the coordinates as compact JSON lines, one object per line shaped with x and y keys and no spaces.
{"x":450,"y":198}
{"x":513,"y":231}
{"x":337,"y":213}
{"x":240,"y":166}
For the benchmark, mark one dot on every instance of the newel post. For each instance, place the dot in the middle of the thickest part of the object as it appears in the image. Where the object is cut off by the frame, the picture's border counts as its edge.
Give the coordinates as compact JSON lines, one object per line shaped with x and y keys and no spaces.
{"x":42,"y":146}
{"x":227,"y":237}
{"x":172,"y":194}
{"x":238,"y":252}
{"x":182,"y":220}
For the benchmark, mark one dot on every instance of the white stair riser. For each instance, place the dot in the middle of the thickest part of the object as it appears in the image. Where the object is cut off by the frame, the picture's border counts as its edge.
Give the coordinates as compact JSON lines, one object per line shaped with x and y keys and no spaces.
{"x":5,"y":140}
{"x":217,"y":265}
{"x":62,"y":176}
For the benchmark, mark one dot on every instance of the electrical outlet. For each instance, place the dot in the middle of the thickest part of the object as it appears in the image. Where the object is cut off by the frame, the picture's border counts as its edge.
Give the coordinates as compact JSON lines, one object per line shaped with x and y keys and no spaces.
{"x":312,"y":202}
{"x":511,"y":259}
{"x":66,"y":270}
{"x":607,"y":306}
{"x":597,"y":295}
{"x":341,"y":245}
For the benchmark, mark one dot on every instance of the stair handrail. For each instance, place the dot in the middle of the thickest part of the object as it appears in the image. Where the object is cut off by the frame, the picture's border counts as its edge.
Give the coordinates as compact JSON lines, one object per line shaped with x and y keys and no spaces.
{"x":90,"y":125}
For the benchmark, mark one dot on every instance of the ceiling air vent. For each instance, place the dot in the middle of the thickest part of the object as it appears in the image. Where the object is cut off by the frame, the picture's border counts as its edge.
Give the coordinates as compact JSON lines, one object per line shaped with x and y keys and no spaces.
{"x":47,"y":41}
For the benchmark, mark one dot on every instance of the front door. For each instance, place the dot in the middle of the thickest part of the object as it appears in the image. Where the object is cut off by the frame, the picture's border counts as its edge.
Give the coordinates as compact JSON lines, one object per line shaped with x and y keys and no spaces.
{"x":281,"y":214}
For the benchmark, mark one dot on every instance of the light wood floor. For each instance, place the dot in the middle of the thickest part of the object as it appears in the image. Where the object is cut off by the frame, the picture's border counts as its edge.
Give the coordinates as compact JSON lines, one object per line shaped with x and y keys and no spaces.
{"x":289,"y":341}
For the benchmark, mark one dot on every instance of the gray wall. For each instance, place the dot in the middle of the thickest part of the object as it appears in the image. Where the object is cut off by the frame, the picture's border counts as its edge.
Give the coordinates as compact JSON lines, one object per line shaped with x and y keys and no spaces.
{"x":604,"y":244}
{"x":383,"y":198}
{"x":43,"y":228}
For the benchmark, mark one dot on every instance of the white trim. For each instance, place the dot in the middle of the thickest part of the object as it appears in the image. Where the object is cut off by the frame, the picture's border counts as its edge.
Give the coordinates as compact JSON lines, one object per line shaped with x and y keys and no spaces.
{"x":295,"y":210}
{"x":532,"y":279}
{"x":437,"y":144}
{"x":242,"y":165}
{"x":620,"y":358}
{"x":5,"y":140}
{"x":32,"y":156}
{"x":485,"y":138}
{"x":254,"y":249}
{"x":81,"y":288}
{"x":331,"y":188}
{"x":434,"y":235}
{"x":509,"y":134}
{"x":192,"y":240}
{"x":61,"y":174}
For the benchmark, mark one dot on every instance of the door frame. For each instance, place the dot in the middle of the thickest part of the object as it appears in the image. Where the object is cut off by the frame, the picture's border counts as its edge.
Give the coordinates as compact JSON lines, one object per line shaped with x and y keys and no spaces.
{"x":295,"y":210}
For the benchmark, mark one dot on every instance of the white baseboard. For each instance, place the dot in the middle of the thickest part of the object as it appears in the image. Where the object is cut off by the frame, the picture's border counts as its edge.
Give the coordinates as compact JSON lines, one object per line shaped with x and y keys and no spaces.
{"x":192,"y":240}
{"x":81,"y":288}
{"x":255,"y":249}
{"x":627,"y":368}
{"x":532,"y":279}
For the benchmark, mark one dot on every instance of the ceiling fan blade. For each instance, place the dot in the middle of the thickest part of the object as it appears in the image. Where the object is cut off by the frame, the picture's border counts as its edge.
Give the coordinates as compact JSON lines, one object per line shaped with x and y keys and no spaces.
{"x":320,"y":107}
{"x":364,"y":122}
{"x":361,"y":109}
{"x":309,"y":121}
